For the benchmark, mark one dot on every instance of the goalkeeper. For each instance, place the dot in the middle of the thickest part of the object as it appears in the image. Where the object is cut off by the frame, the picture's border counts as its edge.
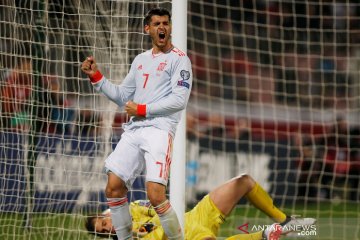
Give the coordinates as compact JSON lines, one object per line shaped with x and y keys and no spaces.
{"x":204,"y":220}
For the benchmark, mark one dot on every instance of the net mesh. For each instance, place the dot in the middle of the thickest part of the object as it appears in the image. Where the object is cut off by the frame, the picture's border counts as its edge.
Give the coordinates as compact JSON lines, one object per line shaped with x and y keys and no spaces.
{"x":276,"y":96}
{"x":55,"y":130}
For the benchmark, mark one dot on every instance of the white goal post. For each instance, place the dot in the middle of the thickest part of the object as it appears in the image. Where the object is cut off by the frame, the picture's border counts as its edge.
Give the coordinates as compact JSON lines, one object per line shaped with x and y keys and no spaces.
{"x":177,"y":175}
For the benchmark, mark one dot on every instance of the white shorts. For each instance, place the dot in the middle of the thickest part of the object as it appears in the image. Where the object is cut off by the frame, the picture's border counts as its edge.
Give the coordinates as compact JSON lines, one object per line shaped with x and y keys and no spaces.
{"x":144,"y":148}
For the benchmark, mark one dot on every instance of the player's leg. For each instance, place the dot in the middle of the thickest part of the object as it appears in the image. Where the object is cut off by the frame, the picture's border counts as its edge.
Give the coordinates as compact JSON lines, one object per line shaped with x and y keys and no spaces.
{"x":119,"y":206}
{"x":122,"y":165}
{"x":226,"y":196}
{"x":262,"y":201}
{"x":157,"y":156}
{"x":168,"y":218}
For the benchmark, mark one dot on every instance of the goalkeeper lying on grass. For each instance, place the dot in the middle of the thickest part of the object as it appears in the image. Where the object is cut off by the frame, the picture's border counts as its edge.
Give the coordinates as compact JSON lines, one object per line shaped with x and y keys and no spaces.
{"x":204,"y":220}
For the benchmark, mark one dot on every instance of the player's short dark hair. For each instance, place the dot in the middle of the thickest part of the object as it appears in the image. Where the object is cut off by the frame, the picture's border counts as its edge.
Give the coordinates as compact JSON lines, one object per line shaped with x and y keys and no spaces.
{"x":156,"y":12}
{"x":90,"y":226}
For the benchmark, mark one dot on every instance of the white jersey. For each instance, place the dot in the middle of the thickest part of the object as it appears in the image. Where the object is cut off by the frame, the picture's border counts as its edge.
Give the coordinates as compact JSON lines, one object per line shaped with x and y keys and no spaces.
{"x":163,"y":82}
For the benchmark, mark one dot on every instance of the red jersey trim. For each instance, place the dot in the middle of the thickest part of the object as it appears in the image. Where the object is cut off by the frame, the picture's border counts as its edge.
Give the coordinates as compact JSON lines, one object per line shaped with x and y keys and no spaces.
{"x":178,"y":51}
{"x":96,"y":77}
{"x":141,"y":110}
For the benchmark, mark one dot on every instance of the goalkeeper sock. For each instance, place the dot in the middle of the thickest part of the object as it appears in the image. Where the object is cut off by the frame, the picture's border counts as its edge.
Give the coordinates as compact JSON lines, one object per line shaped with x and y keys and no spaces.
{"x":120,"y":217}
{"x":169,"y":220}
{"x":262,"y":201}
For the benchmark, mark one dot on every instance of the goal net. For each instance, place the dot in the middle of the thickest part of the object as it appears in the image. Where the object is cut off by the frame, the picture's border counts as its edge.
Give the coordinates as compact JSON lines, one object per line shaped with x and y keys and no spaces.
{"x":275,"y":95}
{"x":55,"y":130}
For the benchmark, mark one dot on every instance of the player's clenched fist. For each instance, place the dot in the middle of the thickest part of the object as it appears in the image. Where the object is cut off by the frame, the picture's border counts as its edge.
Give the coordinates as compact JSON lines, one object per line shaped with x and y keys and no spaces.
{"x":89,"y":66}
{"x":134,"y":109}
{"x":131,"y":108}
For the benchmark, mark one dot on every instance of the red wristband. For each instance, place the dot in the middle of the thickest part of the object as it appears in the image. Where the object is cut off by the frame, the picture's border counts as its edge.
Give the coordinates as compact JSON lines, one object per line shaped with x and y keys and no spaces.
{"x":96,"y":77}
{"x":141,"y":110}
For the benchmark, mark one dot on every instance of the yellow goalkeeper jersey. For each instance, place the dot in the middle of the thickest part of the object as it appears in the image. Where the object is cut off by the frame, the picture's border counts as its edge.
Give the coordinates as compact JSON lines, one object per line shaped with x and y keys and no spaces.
{"x":202,"y":221}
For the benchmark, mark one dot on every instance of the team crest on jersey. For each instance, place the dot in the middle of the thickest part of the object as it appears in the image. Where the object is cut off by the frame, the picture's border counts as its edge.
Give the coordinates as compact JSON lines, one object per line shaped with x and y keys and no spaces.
{"x":185,"y":75}
{"x":161,"y":66}
{"x":139,"y":67}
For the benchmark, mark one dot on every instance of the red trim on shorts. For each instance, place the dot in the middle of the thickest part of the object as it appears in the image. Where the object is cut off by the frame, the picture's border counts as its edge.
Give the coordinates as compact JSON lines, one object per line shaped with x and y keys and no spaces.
{"x":168,"y":157}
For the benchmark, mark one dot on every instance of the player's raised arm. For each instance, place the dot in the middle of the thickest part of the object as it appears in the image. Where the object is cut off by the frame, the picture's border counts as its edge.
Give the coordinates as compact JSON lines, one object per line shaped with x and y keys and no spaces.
{"x":119,"y":94}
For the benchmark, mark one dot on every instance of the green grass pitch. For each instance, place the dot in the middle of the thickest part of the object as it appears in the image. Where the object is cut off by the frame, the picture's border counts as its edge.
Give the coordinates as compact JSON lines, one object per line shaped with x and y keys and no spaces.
{"x":335,"y":221}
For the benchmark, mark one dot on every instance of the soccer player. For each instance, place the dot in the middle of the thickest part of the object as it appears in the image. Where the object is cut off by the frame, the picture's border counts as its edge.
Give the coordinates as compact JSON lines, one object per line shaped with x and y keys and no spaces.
{"x":205,"y":219}
{"x":154,"y":93}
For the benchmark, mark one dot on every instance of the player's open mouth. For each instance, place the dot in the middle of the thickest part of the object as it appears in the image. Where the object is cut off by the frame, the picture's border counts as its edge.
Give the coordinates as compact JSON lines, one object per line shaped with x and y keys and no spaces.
{"x":162,"y":35}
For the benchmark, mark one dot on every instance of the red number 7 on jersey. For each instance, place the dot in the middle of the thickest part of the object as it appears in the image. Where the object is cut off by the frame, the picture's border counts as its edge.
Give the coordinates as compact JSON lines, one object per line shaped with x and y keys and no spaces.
{"x":161,"y":168}
{"x":146,"y":78}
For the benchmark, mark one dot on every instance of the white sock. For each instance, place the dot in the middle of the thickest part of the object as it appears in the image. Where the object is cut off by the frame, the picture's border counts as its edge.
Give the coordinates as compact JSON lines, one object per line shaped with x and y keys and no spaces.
{"x":120,"y":217}
{"x":169,"y":220}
